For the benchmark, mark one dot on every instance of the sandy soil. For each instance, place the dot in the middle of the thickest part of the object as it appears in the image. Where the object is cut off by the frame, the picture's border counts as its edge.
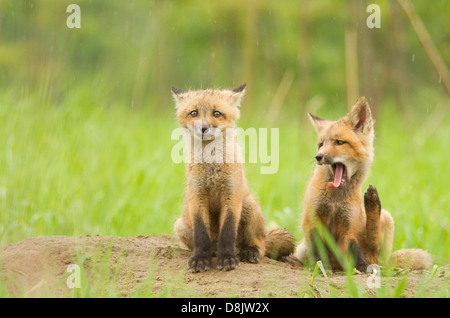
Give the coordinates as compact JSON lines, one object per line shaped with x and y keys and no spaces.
{"x":157,"y":266}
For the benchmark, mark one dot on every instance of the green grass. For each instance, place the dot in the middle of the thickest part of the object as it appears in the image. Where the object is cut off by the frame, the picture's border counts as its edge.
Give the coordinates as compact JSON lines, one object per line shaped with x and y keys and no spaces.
{"x":83,"y":169}
{"x":86,"y":166}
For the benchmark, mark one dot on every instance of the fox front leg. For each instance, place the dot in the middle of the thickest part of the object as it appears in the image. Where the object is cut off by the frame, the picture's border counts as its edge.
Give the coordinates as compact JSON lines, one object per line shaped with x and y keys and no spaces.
{"x":201,"y":260}
{"x":372,"y":207}
{"x":226,"y":254}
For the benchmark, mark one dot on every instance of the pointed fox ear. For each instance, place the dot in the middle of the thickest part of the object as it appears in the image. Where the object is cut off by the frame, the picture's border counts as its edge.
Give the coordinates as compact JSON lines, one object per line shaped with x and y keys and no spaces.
{"x":178,"y":94}
{"x":237,"y":93}
{"x":360,"y":116}
{"x":318,"y":123}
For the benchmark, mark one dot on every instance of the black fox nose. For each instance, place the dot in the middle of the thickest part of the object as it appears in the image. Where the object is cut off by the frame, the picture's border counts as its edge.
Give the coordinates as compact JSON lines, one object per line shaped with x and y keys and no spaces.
{"x":319,"y":157}
{"x":204,"y":128}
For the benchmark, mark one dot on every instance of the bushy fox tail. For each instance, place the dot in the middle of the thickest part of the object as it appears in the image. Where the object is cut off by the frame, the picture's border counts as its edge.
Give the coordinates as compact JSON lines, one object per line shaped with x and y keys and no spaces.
{"x":279,"y":243}
{"x":412,"y":258}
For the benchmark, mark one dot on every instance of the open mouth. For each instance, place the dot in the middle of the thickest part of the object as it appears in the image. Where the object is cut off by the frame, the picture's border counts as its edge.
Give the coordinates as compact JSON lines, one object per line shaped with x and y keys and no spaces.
{"x":340,"y":175}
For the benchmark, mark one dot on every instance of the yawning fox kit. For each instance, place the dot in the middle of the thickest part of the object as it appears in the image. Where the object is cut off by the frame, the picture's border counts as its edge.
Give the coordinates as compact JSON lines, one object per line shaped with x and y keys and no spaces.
{"x":222,"y":218}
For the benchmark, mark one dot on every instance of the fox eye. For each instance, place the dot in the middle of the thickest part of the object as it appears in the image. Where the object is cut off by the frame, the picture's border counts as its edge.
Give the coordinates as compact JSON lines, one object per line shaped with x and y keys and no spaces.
{"x":339,"y":142}
{"x":194,"y":113}
{"x":321,"y":144}
{"x":216,"y":114}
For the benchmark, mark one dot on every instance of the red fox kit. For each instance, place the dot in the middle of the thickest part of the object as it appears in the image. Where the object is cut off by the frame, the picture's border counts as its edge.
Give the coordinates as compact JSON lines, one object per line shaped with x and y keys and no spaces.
{"x":334,"y":200}
{"x":220,"y":214}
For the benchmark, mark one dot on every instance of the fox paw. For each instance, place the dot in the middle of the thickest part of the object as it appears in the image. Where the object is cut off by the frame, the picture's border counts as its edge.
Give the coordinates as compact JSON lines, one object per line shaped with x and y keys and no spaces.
{"x":249,"y":254}
{"x":227,"y":262}
{"x":371,"y":199}
{"x":362,"y":267}
{"x":199,"y":263}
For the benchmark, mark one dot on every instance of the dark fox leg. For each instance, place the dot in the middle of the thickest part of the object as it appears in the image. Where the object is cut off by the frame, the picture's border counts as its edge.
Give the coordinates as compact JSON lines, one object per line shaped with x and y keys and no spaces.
{"x":372,"y":207}
{"x":359,"y":258}
{"x":201,"y":260}
{"x":319,"y":250}
{"x":226,"y":254}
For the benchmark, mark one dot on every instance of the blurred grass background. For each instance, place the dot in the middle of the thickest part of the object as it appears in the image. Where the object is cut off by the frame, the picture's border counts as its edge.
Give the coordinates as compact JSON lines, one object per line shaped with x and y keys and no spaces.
{"x":86,"y":114}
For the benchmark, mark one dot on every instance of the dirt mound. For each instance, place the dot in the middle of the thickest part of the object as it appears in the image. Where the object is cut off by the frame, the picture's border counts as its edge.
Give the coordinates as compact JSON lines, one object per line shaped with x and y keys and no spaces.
{"x":144,"y":266}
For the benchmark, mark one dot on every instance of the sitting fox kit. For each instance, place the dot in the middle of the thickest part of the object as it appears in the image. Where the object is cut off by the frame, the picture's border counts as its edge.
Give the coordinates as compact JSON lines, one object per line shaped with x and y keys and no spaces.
{"x":334,"y":201}
{"x":220,"y":214}
{"x":221,"y":217}
{"x":333,"y":197}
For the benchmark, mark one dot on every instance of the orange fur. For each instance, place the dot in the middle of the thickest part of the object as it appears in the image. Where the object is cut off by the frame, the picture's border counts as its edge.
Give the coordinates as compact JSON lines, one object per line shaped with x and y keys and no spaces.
{"x":220,"y":213}
{"x":358,"y":224}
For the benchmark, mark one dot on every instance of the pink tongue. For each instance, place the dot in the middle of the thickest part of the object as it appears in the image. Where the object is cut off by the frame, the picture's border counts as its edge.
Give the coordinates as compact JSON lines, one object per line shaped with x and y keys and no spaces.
{"x":337,"y":176}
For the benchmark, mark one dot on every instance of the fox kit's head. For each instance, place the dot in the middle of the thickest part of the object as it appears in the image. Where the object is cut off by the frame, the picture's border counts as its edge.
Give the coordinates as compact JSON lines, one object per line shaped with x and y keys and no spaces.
{"x":345,"y":146}
{"x":206,"y":112}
